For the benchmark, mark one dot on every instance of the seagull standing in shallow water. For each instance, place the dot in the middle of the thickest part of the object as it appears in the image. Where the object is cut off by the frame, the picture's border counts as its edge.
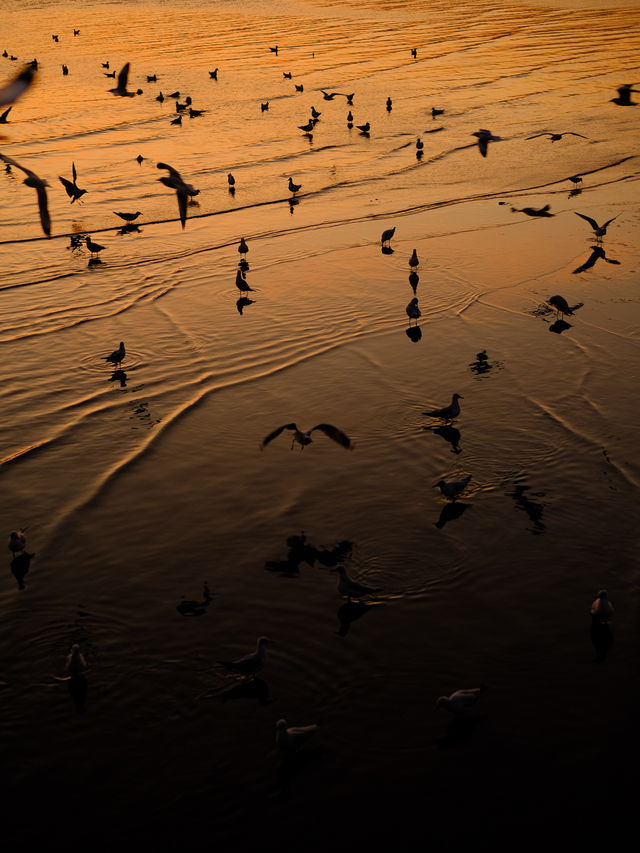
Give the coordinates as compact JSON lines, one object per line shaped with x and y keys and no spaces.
{"x":17,"y":541}
{"x":447,"y":413}
{"x":484,"y":138}
{"x":252,"y":663}
{"x":304,"y":438}
{"x":39,"y":185}
{"x":461,"y":700}
{"x":117,"y":355}
{"x":452,"y":489}
{"x":413,"y":312}
{"x":350,"y":588}
{"x":290,"y":739}
{"x":76,"y":663}
{"x":387,"y":235}
{"x":293,"y":188}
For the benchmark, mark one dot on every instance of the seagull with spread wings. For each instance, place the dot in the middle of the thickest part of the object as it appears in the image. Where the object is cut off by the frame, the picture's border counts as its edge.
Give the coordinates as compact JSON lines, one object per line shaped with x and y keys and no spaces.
{"x":17,"y":87}
{"x":71,"y":187}
{"x":304,"y":438}
{"x":183,"y":190}
{"x":599,"y":230}
{"x":39,"y":185}
{"x":121,"y":88}
{"x":554,"y":137}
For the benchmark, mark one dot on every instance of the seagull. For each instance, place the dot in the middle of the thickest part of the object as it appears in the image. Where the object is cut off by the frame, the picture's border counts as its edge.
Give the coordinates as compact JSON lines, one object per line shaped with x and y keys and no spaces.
{"x":264,"y":107}
{"x":561,"y":305}
{"x":39,"y":185}
{"x":196,"y":113}
{"x":389,"y":104}
{"x":387,"y":235}
{"x":364,"y":128}
{"x":349,"y":116}
{"x":602,"y":609}
{"x":94,"y":248}
{"x":484,"y":138}
{"x":214,"y":74}
{"x":328,"y":96}
{"x":308,"y":127}
{"x":413,"y":260}
{"x":482,"y":356}
{"x":447,"y":413}
{"x":304,"y":438}
{"x":76,"y":32}
{"x":65,"y":70}
{"x":557,"y":136}
{"x":55,"y":38}
{"x":76,"y":662}
{"x":274,"y":50}
{"x":183,"y":190}
{"x":110,"y":74}
{"x":243,"y":248}
{"x":17,"y":541}
{"x":121,"y":88}
{"x":290,"y":739}
{"x":140,"y":158}
{"x":287,"y":75}
{"x":435,"y":112}
{"x":177,"y":120}
{"x":624,"y":96}
{"x":71,"y":188}
{"x":152,"y":79}
{"x":117,"y":356}
{"x":413,"y":312}
{"x":241,"y":283}
{"x":128,"y":217}
{"x":315,"y":114}
{"x":575,"y":179}
{"x":452,"y":489}
{"x":293,"y":188}
{"x":599,"y":230}
{"x":105,"y":64}
{"x":414,"y":52}
{"x":533,"y":211}
{"x":231,"y":181}
{"x":419,"y":144}
{"x":461,"y":699}
{"x":3,"y":117}
{"x":299,"y":88}
{"x":350,"y":588}
{"x":252,"y":663}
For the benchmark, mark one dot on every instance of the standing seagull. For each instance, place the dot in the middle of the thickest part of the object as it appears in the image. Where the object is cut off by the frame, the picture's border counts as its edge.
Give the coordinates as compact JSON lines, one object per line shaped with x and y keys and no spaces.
{"x":128,"y":217}
{"x":413,"y":312}
{"x":290,"y":739}
{"x":350,"y":588}
{"x":183,"y":190}
{"x":387,"y":235}
{"x":17,"y":87}
{"x":413,"y":260}
{"x":39,"y":185}
{"x":117,"y":356}
{"x":17,"y":541}
{"x":293,"y":188}
{"x":231,"y":182}
{"x":461,"y":700}
{"x":452,"y":489}
{"x":304,"y":438}
{"x":76,"y":663}
{"x":121,"y":88}
{"x":71,"y":188}
{"x":94,"y":248}
{"x":602,"y":609}
{"x":484,"y":138}
{"x":243,"y":248}
{"x":599,"y":230}
{"x":242,"y":285}
{"x":447,"y":413}
{"x":249,"y":664}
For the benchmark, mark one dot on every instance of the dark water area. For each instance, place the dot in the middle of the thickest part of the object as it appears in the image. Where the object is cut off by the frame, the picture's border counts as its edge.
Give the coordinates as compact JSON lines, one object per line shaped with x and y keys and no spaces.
{"x":162,"y":537}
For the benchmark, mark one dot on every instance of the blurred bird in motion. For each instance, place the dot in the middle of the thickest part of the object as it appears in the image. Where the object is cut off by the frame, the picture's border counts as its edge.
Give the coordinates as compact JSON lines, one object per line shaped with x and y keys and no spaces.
{"x":39,"y":185}
{"x":183,"y":190}
{"x":484,"y":138}
{"x":17,"y":87}
{"x":117,"y":355}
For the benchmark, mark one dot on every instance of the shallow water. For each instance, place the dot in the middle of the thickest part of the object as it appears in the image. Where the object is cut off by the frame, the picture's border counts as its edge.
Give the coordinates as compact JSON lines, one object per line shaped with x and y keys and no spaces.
{"x":135,"y":495}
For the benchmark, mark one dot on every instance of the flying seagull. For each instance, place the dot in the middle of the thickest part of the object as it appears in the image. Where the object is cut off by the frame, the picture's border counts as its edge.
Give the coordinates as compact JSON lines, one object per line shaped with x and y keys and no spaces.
{"x":121,"y":88}
{"x":71,"y":187}
{"x":304,"y":438}
{"x":599,"y":230}
{"x":624,"y":96}
{"x":484,"y":138}
{"x":39,"y":185}
{"x":554,"y":137}
{"x":183,"y":190}
{"x":17,"y":87}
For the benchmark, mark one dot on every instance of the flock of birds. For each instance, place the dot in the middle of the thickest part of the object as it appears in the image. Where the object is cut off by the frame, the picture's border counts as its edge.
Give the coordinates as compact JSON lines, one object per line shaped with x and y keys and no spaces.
{"x":288,"y":739}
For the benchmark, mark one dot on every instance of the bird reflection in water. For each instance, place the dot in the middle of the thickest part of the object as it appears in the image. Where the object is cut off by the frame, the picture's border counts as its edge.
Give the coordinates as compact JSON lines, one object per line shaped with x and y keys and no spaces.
{"x":460,"y":729}
{"x":119,"y":376}
{"x":20,"y":566}
{"x":292,"y":204}
{"x":414,"y":279}
{"x":602,"y":639}
{"x":481,"y":364}
{"x":129,"y":228}
{"x":242,"y":303}
{"x":349,"y":612}
{"x":450,"y":434}
{"x":597,"y":253}
{"x":196,"y":608}
{"x":386,"y":250}
{"x":532,"y":508}
{"x":450,"y":512}
{"x":559,"y":327}
{"x":255,"y":688}
{"x":78,"y":687}
{"x":414,"y":333}
{"x":302,"y":551}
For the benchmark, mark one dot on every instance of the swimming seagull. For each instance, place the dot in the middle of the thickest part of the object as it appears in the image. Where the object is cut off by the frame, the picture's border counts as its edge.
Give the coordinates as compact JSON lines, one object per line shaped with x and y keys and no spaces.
{"x":128,"y":217}
{"x":264,"y":107}
{"x":413,"y":312}
{"x":17,"y":541}
{"x":599,"y":230}
{"x":387,"y":235}
{"x":39,"y":185}
{"x":76,"y":662}
{"x":447,"y":413}
{"x":121,"y":88}
{"x":554,"y":137}
{"x":291,"y":738}
{"x":183,"y":190}
{"x":117,"y":356}
{"x":274,"y":50}
{"x":452,"y":489}
{"x":484,"y":138}
{"x":304,"y":438}
{"x":602,"y":609}
{"x":350,"y":588}
{"x":293,"y":188}
{"x":252,"y":663}
{"x":413,"y":260}
{"x":461,"y":700}
{"x":624,"y":96}
{"x":71,"y":187}
{"x":94,"y":248}
{"x":299,"y":88}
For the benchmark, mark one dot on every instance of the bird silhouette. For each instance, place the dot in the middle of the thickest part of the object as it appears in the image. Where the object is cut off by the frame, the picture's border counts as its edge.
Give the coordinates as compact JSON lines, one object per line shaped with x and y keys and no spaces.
{"x":241,"y":283}
{"x":183,"y":190}
{"x":599,"y":230}
{"x":3,"y":116}
{"x":484,"y":138}
{"x":459,"y":701}
{"x":121,"y":88}
{"x":452,"y":489}
{"x":214,"y":74}
{"x":602,"y":609}
{"x":291,"y":738}
{"x":555,"y":137}
{"x":413,"y":260}
{"x":349,"y":587}
{"x":447,"y":413}
{"x":250,"y":664}
{"x":413,"y":312}
{"x":128,"y":217}
{"x":293,"y":188}
{"x":387,"y":235}
{"x":39,"y":185}
{"x":624,"y":96}
{"x":117,"y":356}
{"x":364,"y":128}
{"x":17,"y":541}
{"x":71,"y":187}
{"x":304,"y":438}
{"x":94,"y":248}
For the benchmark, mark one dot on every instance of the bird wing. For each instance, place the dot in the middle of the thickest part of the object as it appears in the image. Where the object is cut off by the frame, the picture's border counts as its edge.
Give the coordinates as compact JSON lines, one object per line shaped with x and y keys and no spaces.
{"x":571,"y":133}
{"x":69,"y":187}
{"x":334,"y":433}
{"x":12,"y":162}
{"x":591,"y":221}
{"x":17,"y":87}
{"x":4,"y":115}
{"x":609,"y":221}
{"x":173,"y":172}
{"x":277,"y":432}
{"x":44,"y":209}
{"x":539,"y":134}
{"x":73,"y":170}
{"x":483,"y":144}
{"x":123,"y":77}
{"x":182,"y":204}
